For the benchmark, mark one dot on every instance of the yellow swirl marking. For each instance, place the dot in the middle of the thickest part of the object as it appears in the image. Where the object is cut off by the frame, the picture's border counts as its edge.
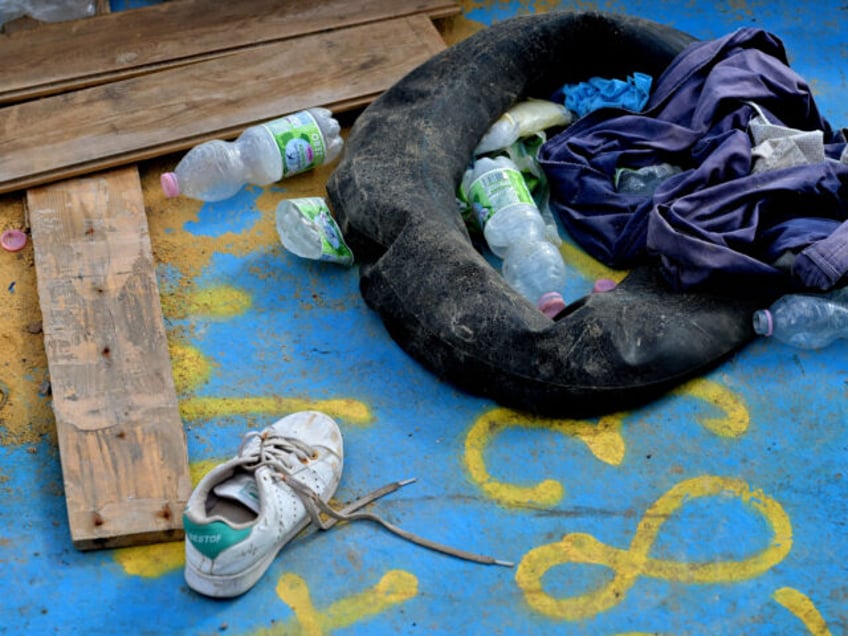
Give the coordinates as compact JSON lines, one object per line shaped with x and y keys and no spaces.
{"x":394,"y":588}
{"x":736,"y":417}
{"x":800,"y":605}
{"x":630,"y":564}
{"x":204,"y":408}
{"x":603,"y":440}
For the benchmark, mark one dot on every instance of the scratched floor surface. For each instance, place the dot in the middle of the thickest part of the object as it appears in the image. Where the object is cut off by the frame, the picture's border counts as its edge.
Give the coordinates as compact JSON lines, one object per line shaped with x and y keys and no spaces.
{"x":719,"y":509}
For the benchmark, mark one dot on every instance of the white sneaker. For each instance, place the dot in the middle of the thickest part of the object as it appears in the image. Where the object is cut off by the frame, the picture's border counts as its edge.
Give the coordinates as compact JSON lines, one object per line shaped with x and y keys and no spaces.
{"x":242,"y":512}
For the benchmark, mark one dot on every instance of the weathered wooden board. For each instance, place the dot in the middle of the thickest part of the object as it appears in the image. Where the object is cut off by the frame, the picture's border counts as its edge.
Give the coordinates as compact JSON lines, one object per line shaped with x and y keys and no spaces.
{"x":64,"y":56}
{"x":130,"y":120}
{"x":121,"y":440}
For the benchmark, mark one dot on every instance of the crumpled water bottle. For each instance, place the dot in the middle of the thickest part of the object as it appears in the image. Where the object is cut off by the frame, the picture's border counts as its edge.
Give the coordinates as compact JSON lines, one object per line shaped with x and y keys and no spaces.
{"x":307,"y":229}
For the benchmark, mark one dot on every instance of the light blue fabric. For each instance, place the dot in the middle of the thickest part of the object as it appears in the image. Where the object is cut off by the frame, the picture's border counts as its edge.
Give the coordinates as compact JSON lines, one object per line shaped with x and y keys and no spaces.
{"x":599,"y":92}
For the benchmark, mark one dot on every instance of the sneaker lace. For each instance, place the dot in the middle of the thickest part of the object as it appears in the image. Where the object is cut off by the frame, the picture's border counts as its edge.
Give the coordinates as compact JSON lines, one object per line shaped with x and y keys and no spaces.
{"x":279,"y":453}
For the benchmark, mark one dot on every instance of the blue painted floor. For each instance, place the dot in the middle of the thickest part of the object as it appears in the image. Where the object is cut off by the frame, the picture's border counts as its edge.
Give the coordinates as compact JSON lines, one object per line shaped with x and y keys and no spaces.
{"x":718,"y":509}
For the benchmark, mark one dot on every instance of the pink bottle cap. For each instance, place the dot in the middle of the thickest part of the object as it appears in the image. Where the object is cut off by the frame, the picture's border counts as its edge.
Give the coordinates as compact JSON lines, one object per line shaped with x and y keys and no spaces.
{"x":769,"y":322}
{"x":551,"y":304}
{"x":604,"y":285}
{"x":170,"y":185}
{"x":13,"y":240}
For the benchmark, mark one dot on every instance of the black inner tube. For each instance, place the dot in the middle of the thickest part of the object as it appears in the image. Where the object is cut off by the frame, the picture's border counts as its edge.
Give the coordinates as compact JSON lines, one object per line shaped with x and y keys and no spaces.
{"x":442,"y":302}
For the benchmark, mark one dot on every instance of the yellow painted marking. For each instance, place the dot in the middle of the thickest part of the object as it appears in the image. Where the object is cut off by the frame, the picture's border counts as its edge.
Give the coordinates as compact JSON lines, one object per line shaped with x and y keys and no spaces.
{"x":394,"y":588}
{"x":190,"y":367}
{"x":736,"y":417}
{"x":603,"y":440}
{"x":634,"y":562}
{"x":294,"y":592}
{"x":151,"y":561}
{"x":220,"y":301}
{"x":800,"y":605}
{"x":587,"y":265}
{"x":201,"y":408}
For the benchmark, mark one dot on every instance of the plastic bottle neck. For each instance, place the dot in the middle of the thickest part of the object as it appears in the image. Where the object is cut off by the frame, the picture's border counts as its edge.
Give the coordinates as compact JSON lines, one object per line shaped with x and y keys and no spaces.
{"x":763,"y":322}
{"x":551,"y":304}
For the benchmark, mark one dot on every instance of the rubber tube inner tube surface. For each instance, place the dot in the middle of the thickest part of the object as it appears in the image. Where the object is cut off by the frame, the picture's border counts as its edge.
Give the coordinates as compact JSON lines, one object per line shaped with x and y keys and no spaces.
{"x":439,"y":298}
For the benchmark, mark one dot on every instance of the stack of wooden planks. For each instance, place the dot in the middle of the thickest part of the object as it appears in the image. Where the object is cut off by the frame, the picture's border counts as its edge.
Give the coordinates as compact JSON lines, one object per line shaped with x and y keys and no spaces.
{"x":132,"y":85}
{"x":106,"y":92}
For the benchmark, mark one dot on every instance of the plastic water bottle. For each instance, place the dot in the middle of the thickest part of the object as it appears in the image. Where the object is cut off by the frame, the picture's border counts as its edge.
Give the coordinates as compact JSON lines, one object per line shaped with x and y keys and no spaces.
{"x":515,"y":231}
{"x":644,"y":181}
{"x":501,"y":203}
{"x":46,"y":10}
{"x":307,"y":229}
{"x":263,"y":154}
{"x":805,"y":321}
{"x":535,"y":270}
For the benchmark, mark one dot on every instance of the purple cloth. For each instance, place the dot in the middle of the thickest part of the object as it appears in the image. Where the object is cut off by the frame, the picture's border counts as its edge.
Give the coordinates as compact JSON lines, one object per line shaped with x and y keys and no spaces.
{"x":715,"y":223}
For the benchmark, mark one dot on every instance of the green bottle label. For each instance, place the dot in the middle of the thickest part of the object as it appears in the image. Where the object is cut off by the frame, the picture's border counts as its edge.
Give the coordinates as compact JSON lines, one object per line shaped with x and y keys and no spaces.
{"x":495,"y":190}
{"x":211,"y":539}
{"x":300,"y":141}
{"x":333,"y":246}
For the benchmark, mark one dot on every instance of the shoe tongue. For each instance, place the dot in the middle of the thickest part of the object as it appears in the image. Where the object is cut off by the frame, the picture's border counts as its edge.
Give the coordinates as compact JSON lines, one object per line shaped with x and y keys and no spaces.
{"x":242,"y":488}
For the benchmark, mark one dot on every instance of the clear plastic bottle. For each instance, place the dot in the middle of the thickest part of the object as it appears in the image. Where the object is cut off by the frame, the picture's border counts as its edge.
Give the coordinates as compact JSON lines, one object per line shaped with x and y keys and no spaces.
{"x":263,"y":154}
{"x":46,"y":10}
{"x":535,"y":269}
{"x":495,"y":187}
{"x":644,"y":181}
{"x":307,"y":229}
{"x":805,"y":321}
{"x":516,"y":221}
{"x":515,"y":231}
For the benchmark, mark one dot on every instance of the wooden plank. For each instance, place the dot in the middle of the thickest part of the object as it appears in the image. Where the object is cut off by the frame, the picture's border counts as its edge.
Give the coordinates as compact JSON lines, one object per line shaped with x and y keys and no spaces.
{"x":131,"y":120}
{"x":122,"y":445}
{"x":65,"y":56}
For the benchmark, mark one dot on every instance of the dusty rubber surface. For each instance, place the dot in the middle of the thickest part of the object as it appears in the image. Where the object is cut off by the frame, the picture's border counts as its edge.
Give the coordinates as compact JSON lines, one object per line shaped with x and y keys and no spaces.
{"x":442,"y":302}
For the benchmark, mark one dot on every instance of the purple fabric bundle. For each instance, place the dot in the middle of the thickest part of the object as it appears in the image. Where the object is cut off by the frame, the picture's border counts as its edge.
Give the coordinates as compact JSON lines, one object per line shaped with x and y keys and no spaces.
{"x":714,"y":224}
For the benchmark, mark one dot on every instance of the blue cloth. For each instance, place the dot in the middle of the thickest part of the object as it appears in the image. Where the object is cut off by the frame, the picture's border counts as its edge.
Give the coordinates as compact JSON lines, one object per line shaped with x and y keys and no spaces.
{"x":715,"y":223}
{"x":598,"y":92}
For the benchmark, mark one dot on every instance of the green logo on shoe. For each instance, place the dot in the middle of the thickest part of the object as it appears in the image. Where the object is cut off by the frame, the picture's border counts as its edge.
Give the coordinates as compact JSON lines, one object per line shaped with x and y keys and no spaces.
{"x":211,"y":539}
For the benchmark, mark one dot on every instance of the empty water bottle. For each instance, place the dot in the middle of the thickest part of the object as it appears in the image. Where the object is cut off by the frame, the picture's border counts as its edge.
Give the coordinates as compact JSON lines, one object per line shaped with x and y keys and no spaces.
{"x":307,"y":229}
{"x":536,"y":271}
{"x":46,"y":10}
{"x":644,"y":181}
{"x":805,"y":321}
{"x":501,"y":203}
{"x":263,"y":154}
{"x":515,"y":231}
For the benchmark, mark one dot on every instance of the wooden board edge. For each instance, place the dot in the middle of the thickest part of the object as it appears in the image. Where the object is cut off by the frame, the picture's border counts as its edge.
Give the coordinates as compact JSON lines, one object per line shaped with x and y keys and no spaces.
{"x":425,"y":29}
{"x":88,"y":79}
